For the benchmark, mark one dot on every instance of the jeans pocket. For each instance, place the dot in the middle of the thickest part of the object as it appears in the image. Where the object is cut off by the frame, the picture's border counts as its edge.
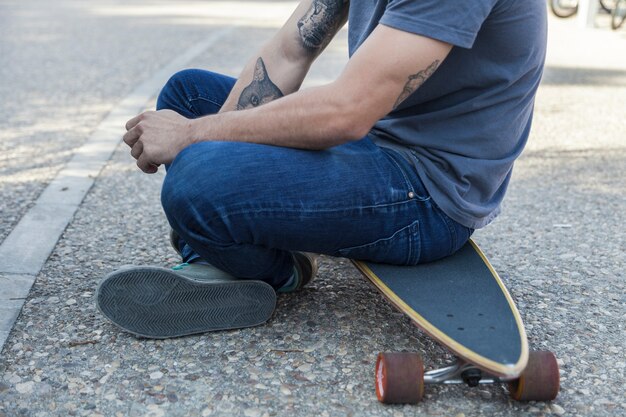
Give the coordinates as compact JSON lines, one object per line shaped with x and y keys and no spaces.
{"x":414,"y":183}
{"x":401,"y":248}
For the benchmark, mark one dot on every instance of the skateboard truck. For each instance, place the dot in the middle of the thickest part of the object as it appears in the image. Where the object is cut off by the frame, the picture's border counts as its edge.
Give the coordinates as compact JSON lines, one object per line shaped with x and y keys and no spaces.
{"x":400,"y":377}
{"x":460,"y":372}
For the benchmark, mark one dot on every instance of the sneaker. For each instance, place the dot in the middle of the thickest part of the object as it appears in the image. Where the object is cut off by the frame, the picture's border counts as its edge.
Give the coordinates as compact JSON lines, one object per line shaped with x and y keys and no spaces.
{"x":306,"y":267}
{"x":305,"y":262}
{"x":161,"y":303}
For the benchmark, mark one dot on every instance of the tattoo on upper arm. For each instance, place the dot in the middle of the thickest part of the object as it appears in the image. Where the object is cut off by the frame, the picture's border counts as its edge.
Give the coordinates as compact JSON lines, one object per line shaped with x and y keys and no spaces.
{"x":320,"y":23}
{"x":415,"y":81}
{"x":260,"y":91}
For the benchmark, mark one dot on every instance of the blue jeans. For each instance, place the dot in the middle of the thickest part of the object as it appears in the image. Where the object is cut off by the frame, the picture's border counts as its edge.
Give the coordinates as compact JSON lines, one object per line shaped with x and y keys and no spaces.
{"x":243,"y":207}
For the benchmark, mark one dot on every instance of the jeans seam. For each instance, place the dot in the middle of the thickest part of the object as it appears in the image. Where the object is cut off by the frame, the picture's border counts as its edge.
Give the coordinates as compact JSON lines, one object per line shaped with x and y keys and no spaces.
{"x":303,"y":211}
{"x":200,"y":97}
{"x":450,"y":226}
{"x":406,"y":179}
{"x":173,"y":104}
{"x":411,"y":242}
{"x":408,"y":183}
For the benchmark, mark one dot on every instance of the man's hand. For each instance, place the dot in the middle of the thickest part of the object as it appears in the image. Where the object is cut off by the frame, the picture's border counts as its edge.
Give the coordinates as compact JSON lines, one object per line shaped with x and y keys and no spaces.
{"x":156,"y":137}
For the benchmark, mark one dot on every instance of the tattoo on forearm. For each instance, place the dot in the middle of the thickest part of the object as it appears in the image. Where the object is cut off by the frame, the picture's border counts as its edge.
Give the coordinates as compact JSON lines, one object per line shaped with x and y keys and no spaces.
{"x":260,"y":91}
{"x":318,"y":26}
{"x":415,"y":81}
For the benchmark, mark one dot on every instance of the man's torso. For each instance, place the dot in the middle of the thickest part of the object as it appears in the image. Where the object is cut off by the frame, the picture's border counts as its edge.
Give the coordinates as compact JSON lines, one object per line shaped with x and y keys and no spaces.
{"x":465,"y":126}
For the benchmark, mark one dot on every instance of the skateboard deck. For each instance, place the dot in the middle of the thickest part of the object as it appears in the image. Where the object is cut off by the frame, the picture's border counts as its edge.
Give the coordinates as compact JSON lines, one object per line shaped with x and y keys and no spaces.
{"x":461,"y":302}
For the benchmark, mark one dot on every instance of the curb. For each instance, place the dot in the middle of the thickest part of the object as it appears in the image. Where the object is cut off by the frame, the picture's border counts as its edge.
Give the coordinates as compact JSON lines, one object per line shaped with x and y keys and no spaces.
{"x":26,"y":249}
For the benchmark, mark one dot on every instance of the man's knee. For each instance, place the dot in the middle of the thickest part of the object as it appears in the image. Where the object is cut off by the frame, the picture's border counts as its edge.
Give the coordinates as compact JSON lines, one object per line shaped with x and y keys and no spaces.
{"x":188,"y":181}
{"x":224,"y":171}
{"x":198,"y":192}
{"x":172,"y":95}
{"x":178,"y":185}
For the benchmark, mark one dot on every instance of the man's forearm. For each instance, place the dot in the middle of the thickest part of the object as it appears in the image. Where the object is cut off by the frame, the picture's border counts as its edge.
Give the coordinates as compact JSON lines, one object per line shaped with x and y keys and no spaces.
{"x":265,"y":78}
{"x":316,"y":118}
{"x":280,"y":67}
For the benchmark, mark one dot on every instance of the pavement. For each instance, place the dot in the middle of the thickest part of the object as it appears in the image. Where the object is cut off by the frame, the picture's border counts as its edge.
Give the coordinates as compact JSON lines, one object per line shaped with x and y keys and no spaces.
{"x":68,"y":66}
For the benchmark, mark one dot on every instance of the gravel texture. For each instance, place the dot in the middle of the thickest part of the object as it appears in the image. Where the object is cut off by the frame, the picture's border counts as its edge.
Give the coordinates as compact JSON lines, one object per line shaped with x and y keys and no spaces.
{"x":559,"y":245}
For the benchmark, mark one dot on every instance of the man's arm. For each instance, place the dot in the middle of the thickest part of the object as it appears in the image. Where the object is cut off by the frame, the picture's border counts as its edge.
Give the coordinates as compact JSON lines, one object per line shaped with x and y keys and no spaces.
{"x":281,"y":65}
{"x":388,"y":67}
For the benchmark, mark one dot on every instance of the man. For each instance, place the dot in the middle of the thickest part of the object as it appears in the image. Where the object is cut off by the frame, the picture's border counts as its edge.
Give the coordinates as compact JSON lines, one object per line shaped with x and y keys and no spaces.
{"x":397,"y":161}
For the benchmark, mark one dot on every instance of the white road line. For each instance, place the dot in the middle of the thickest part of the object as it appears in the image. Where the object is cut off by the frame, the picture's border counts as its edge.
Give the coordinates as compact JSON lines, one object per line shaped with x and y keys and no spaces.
{"x":25,"y":251}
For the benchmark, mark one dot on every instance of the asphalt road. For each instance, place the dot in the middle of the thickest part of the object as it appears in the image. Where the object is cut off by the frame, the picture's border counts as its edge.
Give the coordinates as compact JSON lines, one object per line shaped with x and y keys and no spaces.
{"x":559,"y":244}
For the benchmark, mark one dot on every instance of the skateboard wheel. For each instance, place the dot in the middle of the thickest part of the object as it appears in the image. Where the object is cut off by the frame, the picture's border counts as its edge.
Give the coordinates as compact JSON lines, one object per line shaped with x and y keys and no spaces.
{"x":399,"y":378}
{"x":540,"y":379}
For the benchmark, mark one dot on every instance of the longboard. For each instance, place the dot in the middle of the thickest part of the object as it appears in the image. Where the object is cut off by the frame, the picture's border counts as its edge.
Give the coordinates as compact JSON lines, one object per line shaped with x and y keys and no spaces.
{"x":461,"y":302}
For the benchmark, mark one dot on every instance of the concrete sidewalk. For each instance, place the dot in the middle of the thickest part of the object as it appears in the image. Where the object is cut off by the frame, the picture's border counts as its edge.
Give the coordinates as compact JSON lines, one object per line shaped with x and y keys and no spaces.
{"x":559,"y":245}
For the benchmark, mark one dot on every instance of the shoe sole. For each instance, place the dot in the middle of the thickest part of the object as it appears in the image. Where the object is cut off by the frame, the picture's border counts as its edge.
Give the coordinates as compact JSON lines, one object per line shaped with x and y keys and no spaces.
{"x":158,"y":303}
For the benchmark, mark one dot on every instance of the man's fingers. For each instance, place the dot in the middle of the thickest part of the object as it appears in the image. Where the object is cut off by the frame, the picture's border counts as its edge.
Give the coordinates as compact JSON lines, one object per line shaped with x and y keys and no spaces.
{"x":137,"y":149}
{"x":131,"y":137}
{"x":145,"y":165}
{"x":133,"y":122}
{"x":141,"y":126}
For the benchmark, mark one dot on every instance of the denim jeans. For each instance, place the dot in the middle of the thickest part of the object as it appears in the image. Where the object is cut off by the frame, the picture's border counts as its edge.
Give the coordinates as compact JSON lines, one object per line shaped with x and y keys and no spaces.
{"x":243,"y":207}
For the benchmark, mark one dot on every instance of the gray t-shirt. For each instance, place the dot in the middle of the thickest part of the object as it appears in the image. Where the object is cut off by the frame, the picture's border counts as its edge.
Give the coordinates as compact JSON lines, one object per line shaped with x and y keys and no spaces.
{"x":466,"y":125}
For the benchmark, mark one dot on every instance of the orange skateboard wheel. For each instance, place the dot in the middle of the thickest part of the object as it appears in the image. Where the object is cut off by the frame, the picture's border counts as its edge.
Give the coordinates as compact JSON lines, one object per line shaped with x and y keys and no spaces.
{"x":399,"y":378}
{"x":540,"y":379}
